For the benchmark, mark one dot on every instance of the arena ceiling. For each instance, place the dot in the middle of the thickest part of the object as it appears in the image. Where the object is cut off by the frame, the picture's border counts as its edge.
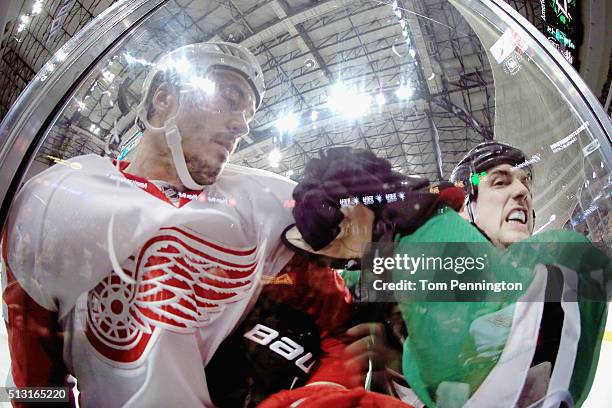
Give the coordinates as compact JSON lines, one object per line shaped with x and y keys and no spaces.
{"x":421,"y":57}
{"x":407,"y":79}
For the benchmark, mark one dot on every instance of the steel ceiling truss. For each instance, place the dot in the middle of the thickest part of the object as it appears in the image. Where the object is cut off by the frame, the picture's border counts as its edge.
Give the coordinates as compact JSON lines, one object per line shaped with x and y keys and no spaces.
{"x":403,"y":139}
{"x":359,"y":43}
{"x":26,"y":51}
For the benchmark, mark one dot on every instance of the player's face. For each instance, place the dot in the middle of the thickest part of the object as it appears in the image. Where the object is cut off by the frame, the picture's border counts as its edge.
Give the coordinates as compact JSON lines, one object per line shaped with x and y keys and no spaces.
{"x":212,"y":122}
{"x":504,"y":206}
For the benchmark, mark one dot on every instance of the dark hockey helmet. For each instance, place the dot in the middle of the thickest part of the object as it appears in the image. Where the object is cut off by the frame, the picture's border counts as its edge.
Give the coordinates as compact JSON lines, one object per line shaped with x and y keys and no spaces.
{"x":485,"y":156}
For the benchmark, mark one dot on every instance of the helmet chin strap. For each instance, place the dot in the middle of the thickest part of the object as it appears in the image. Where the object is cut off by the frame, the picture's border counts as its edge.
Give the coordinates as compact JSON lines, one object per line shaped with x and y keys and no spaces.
{"x":173,"y":140}
{"x":470,"y":211}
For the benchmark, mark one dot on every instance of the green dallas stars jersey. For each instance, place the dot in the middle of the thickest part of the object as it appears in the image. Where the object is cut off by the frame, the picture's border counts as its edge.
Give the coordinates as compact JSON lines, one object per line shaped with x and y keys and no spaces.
{"x":486,"y":352}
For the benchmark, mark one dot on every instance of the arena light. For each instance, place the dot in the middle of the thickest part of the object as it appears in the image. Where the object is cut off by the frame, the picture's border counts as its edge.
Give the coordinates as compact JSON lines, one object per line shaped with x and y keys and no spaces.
{"x":343,"y":101}
{"x":404,"y":92}
{"x":275,"y":157}
{"x":131,"y":60}
{"x":359,"y":107}
{"x":338,"y":97}
{"x":309,"y":63}
{"x":25,"y":19}
{"x":380,"y":99}
{"x":288,"y":122}
{"x":94,"y":129}
{"x":37,"y":7}
{"x":108,"y":76}
{"x":182,"y":65}
{"x":314,"y":115}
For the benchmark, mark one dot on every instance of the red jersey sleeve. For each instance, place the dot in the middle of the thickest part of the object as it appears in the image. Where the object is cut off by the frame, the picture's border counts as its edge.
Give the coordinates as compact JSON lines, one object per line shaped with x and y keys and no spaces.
{"x":35,"y":339}
{"x":320,"y":292}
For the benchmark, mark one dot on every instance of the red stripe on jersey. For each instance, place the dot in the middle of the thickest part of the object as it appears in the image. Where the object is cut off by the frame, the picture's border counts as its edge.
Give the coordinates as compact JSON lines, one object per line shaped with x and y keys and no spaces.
{"x":210,"y":294}
{"x":177,"y":283}
{"x":162,"y":238}
{"x":211,"y":245}
{"x":157,"y":260}
{"x":152,"y":188}
{"x":158,"y":296}
{"x":230,"y":273}
{"x":221,"y":284}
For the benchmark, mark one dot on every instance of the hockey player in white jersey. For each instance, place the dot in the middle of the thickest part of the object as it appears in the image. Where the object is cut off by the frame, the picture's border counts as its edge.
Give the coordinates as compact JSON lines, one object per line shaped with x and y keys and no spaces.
{"x":128,"y":276}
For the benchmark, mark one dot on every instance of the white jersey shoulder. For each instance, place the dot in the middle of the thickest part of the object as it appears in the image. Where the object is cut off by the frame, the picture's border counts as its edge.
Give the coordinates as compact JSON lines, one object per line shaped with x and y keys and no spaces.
{"x":142,"y":283}
{"x":66,"y":221}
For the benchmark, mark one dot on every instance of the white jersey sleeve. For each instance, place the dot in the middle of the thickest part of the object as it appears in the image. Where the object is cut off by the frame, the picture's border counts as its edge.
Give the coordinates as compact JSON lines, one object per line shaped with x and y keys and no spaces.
{"x":58,"y":230}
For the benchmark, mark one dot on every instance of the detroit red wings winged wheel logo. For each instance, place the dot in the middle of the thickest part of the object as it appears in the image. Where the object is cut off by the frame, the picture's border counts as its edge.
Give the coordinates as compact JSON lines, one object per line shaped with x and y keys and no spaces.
{"x":182,"y":282}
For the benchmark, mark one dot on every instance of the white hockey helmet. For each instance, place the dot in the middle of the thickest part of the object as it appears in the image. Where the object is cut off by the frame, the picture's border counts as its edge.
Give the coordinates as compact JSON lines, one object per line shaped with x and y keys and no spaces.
{"x":185,"y":62}
{"x":185,"y":66}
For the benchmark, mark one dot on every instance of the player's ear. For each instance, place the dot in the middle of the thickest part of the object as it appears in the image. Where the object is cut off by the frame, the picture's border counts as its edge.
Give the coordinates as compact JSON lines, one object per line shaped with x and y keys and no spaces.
{"x":164,"y":103}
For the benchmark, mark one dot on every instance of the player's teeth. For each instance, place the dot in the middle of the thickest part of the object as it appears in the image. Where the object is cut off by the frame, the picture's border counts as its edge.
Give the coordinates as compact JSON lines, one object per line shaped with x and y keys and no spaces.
{"x":517,"y":215}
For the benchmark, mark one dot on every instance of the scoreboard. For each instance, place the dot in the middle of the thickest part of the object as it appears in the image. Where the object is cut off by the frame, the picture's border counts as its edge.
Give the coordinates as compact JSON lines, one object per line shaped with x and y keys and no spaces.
{"x":563,"y":27}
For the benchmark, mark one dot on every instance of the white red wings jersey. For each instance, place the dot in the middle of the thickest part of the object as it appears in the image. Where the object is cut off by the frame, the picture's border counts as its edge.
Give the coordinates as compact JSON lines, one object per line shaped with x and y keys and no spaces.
{"x":142,"y":333}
